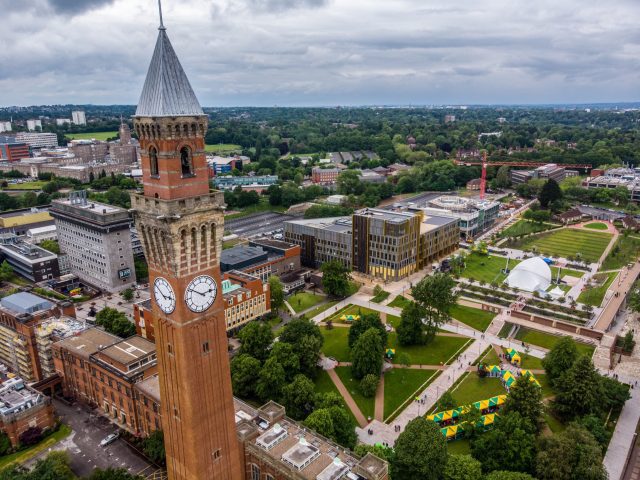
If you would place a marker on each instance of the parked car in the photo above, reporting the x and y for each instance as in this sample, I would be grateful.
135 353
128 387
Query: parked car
109 439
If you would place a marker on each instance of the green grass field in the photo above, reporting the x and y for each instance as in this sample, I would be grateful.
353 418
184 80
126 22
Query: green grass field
352 310
223 148
321 308
381 297
474 388
399 302
566 243
523 227
336 344
102 136
546 340
459 447
531 363
393 320
261 207
324 384
595 295
596 226
486 268
490 358
24 455
366 405
626 250
441 349
400 384
25 186
475 318
304 300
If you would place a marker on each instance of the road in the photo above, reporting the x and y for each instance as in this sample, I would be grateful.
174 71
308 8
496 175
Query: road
256 225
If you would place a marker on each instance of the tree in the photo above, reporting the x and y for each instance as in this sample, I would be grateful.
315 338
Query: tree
153 447
411 330
435 294
277 293
472 428
505 475
614 394
256 339
446 402
6 271
30 436
525 397
380 451
271 381
344 427
366 354
321 421
596 426
306 339
287 357
141 268
335 279
420 452
127 294
634 299
364 323
462 467
514 437
580 391
628 342
5 443
549 193
573 454
560 359
115 322
113 474
369 385
55 466
299 397
51 245
245 371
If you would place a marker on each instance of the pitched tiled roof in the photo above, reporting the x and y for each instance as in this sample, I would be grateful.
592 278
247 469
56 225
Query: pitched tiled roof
167 91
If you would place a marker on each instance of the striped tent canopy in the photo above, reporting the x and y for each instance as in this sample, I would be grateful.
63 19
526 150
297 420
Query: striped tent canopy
487 420
529 374
481 405
497 401
350 318
494 369
508 379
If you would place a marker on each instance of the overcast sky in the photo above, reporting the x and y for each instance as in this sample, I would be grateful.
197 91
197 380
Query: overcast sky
325 52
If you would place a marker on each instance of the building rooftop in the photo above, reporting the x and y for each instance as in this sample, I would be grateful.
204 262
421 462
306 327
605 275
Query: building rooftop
25 302
129 351
240 254
167 91
150 387
27 251
386 215
60 328
88 342
16 397
23 212
334 224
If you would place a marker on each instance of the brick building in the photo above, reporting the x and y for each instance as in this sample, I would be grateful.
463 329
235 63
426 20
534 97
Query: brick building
25 319
325 175
101 369
11 150
22 408
263 257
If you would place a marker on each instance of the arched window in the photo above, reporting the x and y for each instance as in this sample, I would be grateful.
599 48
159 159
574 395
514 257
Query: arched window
255 472
186 161
153 159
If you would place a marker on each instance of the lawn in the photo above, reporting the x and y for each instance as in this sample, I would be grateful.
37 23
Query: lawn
459 447
24 455
381 297
321 308
486 268
546 340
505 330
102 136
474 388
566 243
393 320
491 357
531 363
324 384
596 226
336 344
623 252
523 227
303 300
475 318
37 185
261 207
595 295
366 405
352 310
399 302
223 148
400 385
547 391
440 350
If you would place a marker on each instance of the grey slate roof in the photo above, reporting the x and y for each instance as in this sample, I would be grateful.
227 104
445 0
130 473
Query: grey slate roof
167 91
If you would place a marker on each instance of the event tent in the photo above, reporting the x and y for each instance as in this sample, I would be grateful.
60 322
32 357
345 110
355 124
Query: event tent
531 275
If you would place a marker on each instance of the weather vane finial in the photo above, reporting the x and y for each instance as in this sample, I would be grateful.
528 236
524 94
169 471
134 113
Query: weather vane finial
162 27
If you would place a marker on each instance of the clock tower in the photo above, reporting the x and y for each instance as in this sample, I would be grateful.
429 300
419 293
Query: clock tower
181 225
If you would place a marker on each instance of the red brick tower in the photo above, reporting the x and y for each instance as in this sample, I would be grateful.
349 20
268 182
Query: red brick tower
181 225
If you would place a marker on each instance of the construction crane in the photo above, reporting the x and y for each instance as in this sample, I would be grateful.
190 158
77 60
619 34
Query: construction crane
484 163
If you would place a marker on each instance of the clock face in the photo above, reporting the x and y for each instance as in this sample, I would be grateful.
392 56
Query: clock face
164 295
201 293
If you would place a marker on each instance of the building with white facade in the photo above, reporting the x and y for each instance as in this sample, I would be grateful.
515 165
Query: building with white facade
32 125
5 127
78 118
38 140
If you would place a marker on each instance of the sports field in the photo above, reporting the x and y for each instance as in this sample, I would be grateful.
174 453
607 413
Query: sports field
626 250
522 227
102 136
566 243
223 148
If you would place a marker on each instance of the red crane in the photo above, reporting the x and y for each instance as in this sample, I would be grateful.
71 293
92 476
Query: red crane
484 163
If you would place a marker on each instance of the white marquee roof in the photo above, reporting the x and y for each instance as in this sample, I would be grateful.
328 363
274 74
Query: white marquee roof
531 275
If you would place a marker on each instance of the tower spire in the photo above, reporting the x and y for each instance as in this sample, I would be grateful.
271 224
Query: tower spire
162 27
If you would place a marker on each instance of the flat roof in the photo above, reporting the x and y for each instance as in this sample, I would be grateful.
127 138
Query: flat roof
88 342
273 243
241 253
386 215
150 387
130 350
25 302
28 252
94 207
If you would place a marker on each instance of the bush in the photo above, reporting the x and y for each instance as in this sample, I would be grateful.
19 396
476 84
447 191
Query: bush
369 385
30 436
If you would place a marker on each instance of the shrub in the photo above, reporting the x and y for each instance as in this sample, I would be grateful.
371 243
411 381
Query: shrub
369 385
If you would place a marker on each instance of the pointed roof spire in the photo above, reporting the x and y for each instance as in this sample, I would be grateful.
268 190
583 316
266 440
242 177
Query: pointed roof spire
167 91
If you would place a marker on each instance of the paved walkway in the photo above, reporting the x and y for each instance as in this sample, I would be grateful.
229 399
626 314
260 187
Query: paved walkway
622 285
379 406
351 403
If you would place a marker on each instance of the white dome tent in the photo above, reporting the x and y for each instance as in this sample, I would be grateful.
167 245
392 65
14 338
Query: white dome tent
532 275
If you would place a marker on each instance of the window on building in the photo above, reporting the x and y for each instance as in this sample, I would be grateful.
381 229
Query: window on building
255 472
186 161
153 159
205 347
217 454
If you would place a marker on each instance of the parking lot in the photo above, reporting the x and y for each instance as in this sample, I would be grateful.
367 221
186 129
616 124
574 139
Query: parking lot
83 445
256 225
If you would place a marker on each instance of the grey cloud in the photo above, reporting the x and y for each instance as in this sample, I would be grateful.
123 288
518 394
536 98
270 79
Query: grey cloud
76 7
282 5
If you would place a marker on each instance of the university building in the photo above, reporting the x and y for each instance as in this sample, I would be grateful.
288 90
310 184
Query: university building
97 241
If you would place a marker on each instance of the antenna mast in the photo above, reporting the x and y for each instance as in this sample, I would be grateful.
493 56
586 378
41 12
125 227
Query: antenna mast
162 27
